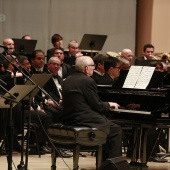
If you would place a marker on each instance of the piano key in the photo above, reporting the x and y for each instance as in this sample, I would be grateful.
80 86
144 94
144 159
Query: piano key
131 111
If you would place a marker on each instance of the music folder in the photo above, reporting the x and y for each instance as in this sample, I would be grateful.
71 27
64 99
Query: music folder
138 77
92 42
19 91
24 46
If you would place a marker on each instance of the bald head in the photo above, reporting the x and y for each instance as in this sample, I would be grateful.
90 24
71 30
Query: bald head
127 54
8 42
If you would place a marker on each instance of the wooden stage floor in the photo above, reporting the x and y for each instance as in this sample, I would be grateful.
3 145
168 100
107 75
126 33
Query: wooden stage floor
85 163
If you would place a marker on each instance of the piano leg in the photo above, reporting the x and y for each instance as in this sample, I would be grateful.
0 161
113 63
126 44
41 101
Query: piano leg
142 151
144 140
139 146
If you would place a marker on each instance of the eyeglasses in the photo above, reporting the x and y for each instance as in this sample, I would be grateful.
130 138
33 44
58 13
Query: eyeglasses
93 65
74 47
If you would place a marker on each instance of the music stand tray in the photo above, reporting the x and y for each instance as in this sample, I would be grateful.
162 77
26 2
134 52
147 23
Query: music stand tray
20 91
24 46
40 80
92 42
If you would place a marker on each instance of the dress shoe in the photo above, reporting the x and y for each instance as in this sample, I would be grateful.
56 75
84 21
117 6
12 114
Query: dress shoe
32 151
64 154
157 159
82 155
45 149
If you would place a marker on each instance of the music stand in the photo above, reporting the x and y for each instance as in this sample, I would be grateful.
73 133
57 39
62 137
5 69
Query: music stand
6 101
19 91
24 46
92 42
40 80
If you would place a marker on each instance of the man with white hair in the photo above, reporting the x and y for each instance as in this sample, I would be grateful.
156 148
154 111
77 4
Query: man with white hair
127 54
82 106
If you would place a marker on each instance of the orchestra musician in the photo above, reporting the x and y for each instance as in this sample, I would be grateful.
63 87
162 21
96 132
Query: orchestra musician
148 51
112 66
99 67
57 41
65 69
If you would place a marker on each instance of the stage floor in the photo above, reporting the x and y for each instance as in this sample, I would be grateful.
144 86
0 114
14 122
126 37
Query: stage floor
85 163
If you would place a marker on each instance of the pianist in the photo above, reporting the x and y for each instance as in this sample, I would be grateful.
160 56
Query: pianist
82 106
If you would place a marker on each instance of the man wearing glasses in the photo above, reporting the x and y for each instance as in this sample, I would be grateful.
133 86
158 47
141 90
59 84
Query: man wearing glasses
82 106
112 70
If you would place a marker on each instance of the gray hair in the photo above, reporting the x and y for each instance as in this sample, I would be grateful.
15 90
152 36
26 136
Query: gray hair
72 42
82 62
53 59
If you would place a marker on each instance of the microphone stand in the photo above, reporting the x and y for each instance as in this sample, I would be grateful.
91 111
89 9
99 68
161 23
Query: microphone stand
9 100
21 166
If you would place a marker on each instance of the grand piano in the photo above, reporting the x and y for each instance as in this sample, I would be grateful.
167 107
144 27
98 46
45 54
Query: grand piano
153 113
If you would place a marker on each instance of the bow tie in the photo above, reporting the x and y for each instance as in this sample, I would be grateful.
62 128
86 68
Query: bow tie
55 76
38 72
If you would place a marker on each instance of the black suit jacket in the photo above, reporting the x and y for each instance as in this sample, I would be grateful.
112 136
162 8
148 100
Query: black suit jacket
6 77
106 80
65 70
52 90
81 103
33 71
137 60
49 53
97 77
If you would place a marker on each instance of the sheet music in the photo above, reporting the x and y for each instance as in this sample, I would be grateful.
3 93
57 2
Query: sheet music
138 77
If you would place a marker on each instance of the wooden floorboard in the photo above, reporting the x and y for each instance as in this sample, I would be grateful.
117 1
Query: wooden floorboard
44 163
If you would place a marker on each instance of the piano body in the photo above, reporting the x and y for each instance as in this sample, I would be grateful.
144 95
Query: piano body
154 112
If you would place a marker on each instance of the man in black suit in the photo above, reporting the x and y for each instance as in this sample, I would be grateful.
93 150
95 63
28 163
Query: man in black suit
112 66
57 41
99 67
65 69
82 106
38 62
148 51
72 53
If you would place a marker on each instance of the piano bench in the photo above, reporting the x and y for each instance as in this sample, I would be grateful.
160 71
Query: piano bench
76 139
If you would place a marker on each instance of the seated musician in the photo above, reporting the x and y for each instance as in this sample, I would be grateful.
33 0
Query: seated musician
99 67
82 106
112 71
148 54
45 119
65 69
57 41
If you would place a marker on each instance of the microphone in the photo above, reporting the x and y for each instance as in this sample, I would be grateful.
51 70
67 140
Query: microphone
4 47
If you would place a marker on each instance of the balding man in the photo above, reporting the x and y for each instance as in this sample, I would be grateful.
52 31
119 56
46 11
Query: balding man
8 42
127 54
82 106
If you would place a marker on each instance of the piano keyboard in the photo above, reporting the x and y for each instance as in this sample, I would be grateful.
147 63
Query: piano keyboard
130 111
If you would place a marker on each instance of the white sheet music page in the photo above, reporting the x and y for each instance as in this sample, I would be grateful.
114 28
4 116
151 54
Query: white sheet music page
145 77
132 76
138 77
